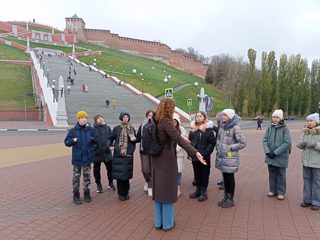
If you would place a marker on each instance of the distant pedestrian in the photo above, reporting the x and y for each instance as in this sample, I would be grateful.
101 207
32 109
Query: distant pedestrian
84 88
107 103
276 143
259 122
114 103
309 142
82 139
74 71
122 141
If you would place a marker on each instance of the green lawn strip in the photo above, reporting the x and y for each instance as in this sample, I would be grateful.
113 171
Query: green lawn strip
12 53
40 29
121 64
41 45
15 87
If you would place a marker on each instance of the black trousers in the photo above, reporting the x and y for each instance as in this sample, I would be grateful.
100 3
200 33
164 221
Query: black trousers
123 187
229 183
201 173
97 170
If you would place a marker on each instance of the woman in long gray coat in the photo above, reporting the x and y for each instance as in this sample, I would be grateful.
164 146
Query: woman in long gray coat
164 166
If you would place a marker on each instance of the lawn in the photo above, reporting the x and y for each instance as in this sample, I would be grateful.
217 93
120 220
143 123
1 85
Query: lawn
40 29
15 87
11 53
40 45
153 72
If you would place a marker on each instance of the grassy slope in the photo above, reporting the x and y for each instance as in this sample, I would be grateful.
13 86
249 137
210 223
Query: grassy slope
40 29
11 53
15 86
116 62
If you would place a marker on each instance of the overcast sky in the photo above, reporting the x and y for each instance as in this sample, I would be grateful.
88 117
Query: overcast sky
209 26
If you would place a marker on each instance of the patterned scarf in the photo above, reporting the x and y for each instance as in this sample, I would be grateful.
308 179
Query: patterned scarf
126 130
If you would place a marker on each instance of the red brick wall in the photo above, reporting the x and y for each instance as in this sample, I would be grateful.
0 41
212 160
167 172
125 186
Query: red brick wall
149 48
19 115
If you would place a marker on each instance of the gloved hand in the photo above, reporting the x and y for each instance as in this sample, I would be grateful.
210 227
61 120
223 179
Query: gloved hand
271 155
310 145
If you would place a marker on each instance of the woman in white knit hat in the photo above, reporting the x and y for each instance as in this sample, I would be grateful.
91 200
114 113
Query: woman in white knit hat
276 144
229 141
309 142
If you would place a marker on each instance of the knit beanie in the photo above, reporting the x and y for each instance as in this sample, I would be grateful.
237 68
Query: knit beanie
122 115
229 112
81 114
278 113
314 117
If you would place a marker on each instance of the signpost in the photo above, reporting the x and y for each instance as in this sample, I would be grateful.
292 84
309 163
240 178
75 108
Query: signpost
168 92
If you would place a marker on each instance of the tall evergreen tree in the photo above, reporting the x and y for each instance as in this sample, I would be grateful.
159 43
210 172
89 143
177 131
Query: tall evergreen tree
283 90
252 96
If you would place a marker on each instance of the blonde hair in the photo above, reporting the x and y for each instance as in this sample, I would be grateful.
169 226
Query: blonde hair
196 125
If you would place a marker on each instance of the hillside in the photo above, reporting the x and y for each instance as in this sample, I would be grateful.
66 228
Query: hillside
150 75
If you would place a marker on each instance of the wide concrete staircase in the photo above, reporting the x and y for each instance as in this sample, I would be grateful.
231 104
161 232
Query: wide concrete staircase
99 89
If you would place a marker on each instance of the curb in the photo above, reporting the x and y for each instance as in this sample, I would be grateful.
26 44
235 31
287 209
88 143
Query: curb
33 130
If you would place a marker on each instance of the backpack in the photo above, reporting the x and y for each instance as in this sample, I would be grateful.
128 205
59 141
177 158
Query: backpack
150 143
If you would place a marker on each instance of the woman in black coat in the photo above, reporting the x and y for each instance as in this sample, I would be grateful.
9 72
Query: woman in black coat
202 137
122 141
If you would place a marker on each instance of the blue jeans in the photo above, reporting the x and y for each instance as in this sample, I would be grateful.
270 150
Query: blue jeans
311 186
163 215
277 180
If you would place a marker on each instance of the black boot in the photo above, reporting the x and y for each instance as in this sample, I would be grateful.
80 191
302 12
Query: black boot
76 198
87 197
229 202
223 200
196 193
203 195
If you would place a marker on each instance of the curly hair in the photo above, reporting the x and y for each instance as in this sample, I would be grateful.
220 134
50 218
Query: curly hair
165 109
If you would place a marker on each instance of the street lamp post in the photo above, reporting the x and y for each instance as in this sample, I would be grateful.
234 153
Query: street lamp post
142 84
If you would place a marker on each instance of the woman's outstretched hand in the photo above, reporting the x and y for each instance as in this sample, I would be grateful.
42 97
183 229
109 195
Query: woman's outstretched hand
200 158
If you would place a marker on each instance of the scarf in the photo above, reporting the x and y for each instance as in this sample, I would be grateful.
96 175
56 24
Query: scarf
126 130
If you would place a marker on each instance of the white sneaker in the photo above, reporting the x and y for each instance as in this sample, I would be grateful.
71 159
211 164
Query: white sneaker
179 192
271 194
145 187
281 197
149 192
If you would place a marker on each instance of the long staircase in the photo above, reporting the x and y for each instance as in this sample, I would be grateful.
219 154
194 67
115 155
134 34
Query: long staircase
99 89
